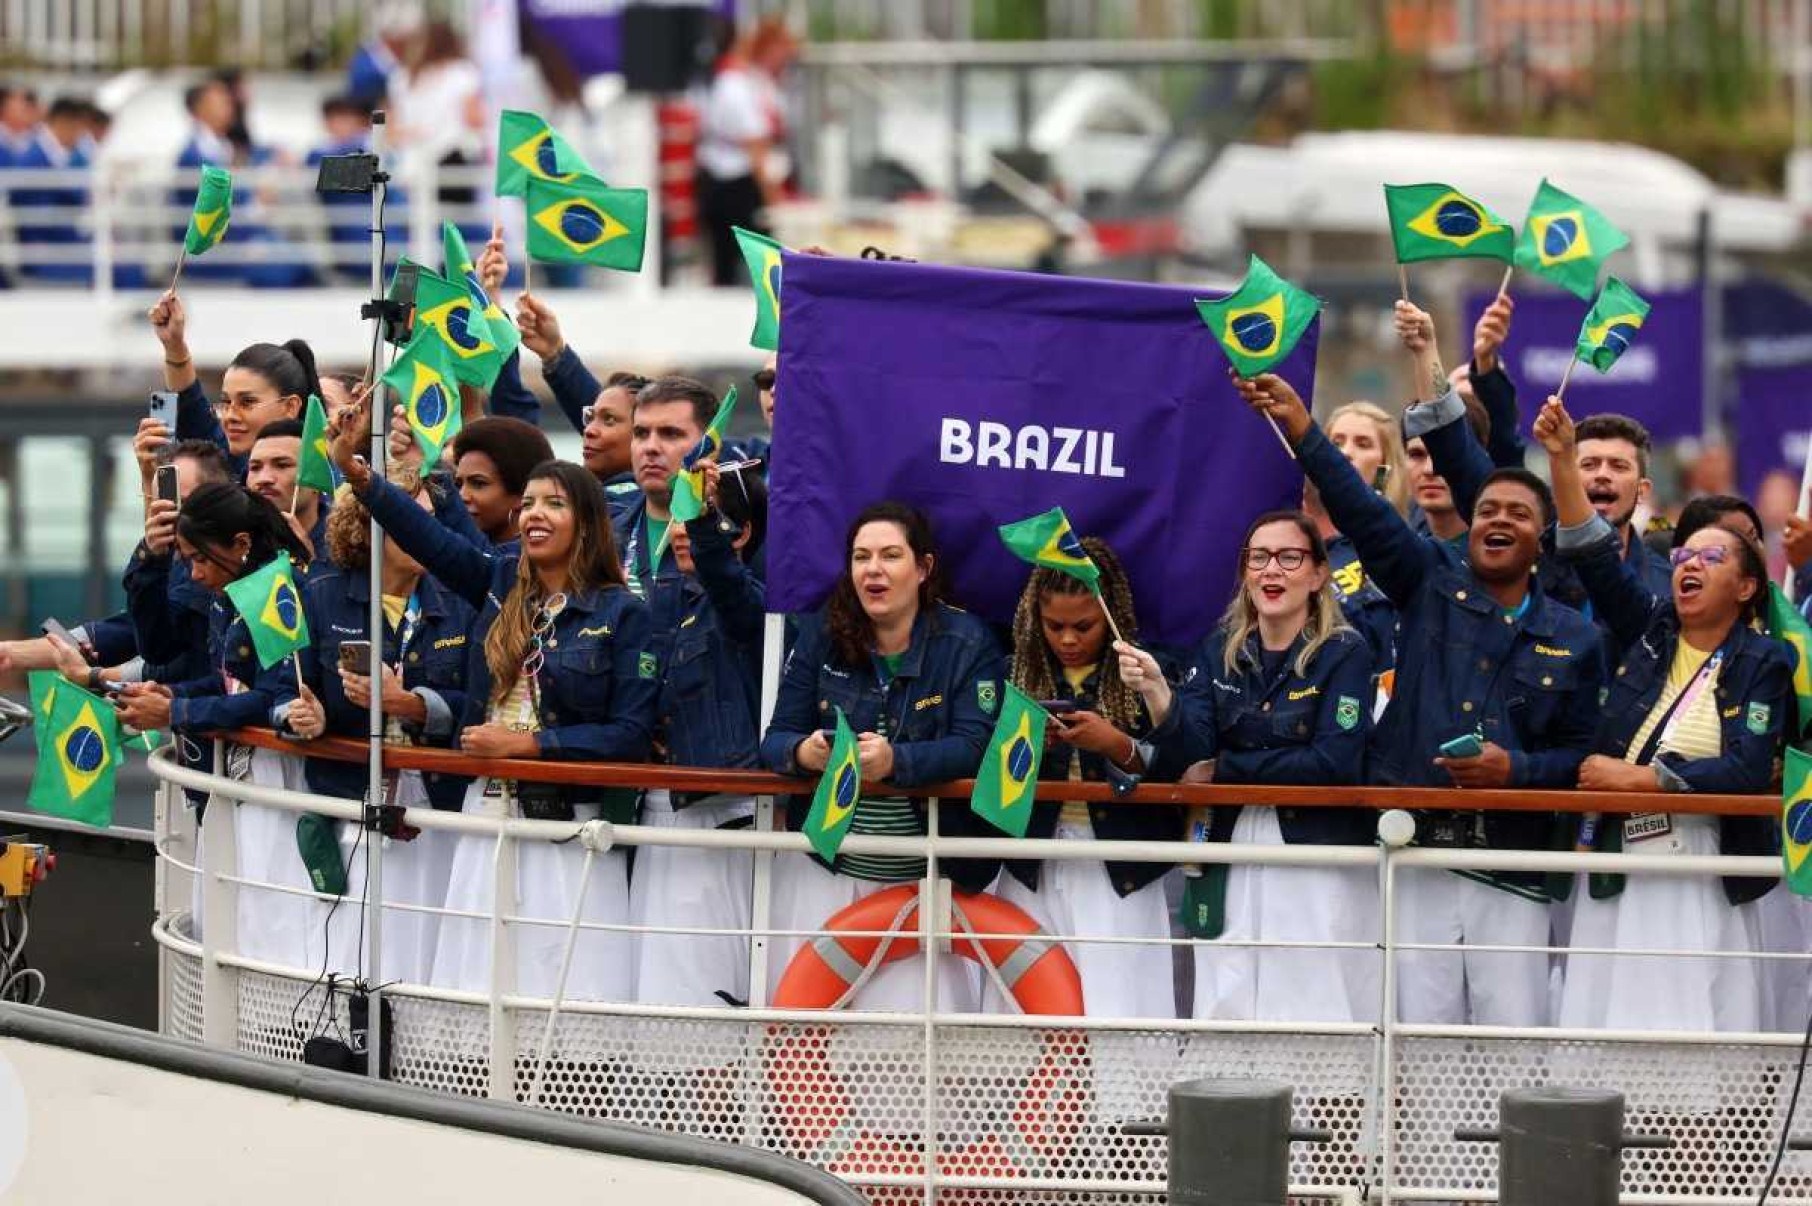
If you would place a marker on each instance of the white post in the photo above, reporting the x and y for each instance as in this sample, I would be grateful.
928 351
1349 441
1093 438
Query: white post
220 925
374 714
773 641
929 924
1384 1107
503 969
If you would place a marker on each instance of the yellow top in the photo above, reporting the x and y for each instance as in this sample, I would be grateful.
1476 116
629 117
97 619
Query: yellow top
1694 731
1075 812
394 607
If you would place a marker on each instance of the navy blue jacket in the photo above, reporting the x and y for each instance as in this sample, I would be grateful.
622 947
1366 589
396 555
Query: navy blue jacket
710 708
1110 822
433 665
1365 606
662 587
937 710
1754 693
1529 684
1305 728
173 637
600 683
1497 394
210 703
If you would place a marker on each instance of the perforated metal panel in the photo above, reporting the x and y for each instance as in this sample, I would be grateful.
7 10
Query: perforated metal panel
183 1010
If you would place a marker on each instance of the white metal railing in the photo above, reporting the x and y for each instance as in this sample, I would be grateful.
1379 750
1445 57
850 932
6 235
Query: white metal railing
945 1084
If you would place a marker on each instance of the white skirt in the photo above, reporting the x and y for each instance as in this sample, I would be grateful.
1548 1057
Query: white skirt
683 886
415 872
1077 899
548 887
277 927
805 895
1782 921
1664 912
1291 904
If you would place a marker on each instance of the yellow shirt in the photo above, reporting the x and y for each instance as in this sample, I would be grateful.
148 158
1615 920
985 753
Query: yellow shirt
1075 812
1694 730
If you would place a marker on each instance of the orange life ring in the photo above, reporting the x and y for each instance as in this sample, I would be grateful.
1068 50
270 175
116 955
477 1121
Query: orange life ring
1043 1123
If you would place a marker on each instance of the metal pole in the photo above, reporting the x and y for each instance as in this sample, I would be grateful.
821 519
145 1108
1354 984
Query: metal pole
374 782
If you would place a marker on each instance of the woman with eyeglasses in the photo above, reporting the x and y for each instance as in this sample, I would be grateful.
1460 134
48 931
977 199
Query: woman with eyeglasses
1698 704
1280 692
561 671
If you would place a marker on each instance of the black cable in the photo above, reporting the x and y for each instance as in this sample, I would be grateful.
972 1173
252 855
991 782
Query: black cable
1780 1148
326 957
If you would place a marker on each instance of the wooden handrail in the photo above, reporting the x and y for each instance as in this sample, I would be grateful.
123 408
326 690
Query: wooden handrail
762 783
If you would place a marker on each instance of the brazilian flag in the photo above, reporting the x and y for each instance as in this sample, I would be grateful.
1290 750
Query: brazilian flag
1796 821
78 751
1048 540
839 791
585 222
213 211
1611 325
316 471
529 149
1567 241
689 484
1008 778
457 265
446 308
1436 222
271 606
1259 323
425 380
1785 624
762 255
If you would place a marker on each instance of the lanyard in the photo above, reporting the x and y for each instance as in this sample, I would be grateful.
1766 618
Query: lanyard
1707 674
412 614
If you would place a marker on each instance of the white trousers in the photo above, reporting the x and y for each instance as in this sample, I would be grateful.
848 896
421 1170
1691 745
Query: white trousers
278 927
1782 922
415 872
1484 988
677 886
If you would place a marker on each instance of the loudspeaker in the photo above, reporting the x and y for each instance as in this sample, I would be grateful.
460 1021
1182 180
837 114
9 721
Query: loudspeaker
665 46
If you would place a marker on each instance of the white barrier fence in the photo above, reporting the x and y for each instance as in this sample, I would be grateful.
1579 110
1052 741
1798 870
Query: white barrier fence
931 1106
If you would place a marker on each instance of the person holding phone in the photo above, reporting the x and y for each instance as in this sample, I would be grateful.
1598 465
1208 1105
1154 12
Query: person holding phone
919 683
1097 732
563 671
1278 693
426 639
1699 703
1492 655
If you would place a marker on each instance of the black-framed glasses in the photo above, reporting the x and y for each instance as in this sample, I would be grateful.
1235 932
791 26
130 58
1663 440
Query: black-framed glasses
764 379
1711 554
1287 559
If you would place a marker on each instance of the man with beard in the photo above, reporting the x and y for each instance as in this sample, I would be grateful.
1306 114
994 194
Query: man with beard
271 469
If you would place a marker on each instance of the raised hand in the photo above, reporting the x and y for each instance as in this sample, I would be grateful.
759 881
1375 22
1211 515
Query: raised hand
1554 430
539 326
1269 394
1491 332
492 265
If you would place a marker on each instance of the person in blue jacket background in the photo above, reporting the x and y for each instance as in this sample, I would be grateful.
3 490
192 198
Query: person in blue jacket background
919 682
1700 703
1280 692
1504 678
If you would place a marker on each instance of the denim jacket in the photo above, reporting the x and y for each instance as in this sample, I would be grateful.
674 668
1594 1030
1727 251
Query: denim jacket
168 615
710 705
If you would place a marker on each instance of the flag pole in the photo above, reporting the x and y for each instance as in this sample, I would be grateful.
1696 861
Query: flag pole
1111 626
1403 281
182 257
1281 438
1565 377
528 267
1503 286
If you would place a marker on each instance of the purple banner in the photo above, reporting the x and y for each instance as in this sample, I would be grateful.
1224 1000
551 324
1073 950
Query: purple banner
1770 332
1659 381
985 397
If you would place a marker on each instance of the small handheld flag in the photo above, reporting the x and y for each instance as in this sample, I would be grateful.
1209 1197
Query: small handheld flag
583 222
1785 624
839 791
78 738
1008 778
1435 222
762 255
529 149
1611 325
209 219
1260 322
457 265
1796 821
423 378
1048 540
446 308
271 606
316 470
688 501
1566 241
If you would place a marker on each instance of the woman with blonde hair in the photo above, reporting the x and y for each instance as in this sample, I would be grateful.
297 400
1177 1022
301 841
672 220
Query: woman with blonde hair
1278 693
1373 442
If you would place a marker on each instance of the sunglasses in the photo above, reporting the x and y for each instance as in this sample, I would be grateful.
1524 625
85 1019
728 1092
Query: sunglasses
544 628
1711 554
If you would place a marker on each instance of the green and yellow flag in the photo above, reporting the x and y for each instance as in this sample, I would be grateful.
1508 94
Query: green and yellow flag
1008 778
584 222
1796 821
1048 540
78 737
428 389
457 265
689 484
1788 626
762 255
839 791
447 309
316 470
1436 222
1566 241
271 606
1611 325
212 213
529 149
1259 324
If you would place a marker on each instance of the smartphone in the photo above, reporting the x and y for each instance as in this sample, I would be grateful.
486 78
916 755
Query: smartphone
163 408
1465 746
167 489
54 627
110 688
355 656
1059 707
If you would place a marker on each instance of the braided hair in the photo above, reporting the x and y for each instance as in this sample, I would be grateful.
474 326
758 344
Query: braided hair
1035 669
